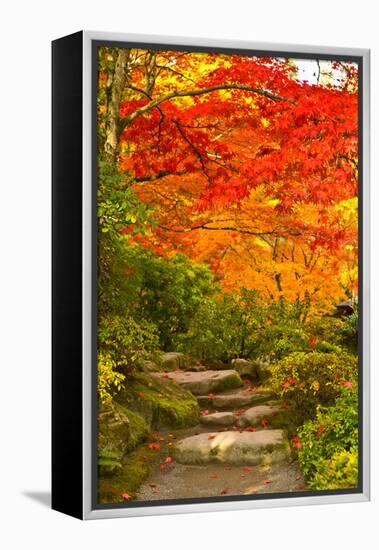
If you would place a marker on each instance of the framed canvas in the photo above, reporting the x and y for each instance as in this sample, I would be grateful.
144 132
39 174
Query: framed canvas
210 275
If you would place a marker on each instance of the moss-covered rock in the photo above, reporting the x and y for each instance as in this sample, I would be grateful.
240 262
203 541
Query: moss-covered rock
174 360
133 471
160 402
120 430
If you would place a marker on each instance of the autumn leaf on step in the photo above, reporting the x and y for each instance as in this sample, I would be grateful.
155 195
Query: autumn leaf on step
126 496
168 459
172 436
212 395
213 475
224 491
242 475
211 436
162 466
154 446
247 468
251 429
152 485
264 422
267 481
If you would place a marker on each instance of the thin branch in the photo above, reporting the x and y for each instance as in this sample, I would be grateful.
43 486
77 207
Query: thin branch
195 150
159 175
197 92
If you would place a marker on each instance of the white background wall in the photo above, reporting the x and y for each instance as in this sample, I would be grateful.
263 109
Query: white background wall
26 30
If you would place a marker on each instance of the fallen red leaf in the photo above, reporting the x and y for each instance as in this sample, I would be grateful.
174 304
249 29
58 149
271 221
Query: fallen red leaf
126 496
168 459
213 475
264 422
267 481
224 491
152 485
162 466
211 436
251 429
242 475
247 468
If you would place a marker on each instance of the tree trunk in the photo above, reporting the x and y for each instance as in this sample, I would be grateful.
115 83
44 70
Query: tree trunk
117 85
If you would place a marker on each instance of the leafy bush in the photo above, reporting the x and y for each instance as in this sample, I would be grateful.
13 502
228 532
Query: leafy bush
123 345
340 472
347 330
309 379
224 327
328 452
109 381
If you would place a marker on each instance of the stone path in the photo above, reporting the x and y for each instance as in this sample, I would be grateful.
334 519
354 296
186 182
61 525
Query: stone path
234 441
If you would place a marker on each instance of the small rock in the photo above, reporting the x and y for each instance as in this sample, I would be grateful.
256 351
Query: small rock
244 367
219 419
254 415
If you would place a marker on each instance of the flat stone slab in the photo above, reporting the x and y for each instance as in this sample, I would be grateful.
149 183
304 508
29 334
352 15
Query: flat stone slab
204 382
234 448
254 415
219 419
233 399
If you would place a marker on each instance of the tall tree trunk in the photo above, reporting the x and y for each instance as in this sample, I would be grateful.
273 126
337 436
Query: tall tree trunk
116 84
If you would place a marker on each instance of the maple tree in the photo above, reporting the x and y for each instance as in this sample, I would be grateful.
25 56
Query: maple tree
244 166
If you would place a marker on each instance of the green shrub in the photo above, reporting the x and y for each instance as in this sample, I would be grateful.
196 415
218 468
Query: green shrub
328 453
347 331
123 345
109 381
309 379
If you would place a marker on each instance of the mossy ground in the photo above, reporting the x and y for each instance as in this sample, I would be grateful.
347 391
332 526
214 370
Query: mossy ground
133 472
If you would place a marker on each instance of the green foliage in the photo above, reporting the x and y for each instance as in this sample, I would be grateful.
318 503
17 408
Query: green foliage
244 325
166 292
309 379
123 345
329 444
109 381
340 472
223 327
347 330
109 462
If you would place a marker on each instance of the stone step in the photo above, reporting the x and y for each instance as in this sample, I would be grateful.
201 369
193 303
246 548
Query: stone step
243 418
219 419
204 382
254 415
234 448
233 399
